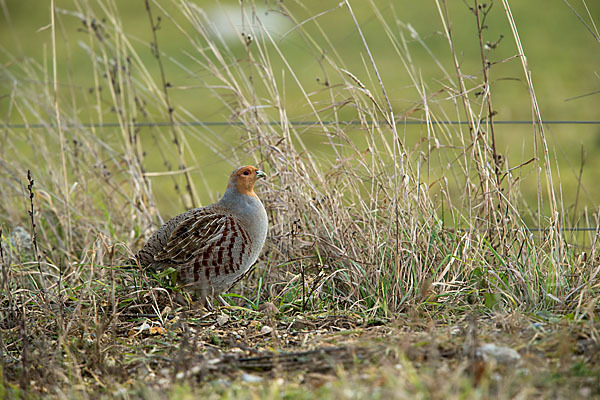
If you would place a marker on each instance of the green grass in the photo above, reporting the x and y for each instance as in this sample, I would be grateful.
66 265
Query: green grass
394 250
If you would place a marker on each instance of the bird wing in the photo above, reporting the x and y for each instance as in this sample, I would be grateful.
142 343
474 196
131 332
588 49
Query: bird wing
193 236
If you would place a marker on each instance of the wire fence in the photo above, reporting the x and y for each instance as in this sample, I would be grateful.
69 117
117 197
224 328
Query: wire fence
312 123
563 229
278 123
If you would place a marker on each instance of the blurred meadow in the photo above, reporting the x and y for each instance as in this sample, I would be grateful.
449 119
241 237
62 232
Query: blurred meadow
432 197
415 64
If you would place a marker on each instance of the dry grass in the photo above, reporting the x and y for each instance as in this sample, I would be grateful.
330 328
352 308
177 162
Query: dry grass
417 238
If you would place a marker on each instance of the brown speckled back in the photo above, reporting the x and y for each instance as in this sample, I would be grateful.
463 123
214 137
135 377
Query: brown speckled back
213 246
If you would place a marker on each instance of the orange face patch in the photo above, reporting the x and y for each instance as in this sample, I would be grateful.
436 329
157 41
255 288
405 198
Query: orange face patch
244 178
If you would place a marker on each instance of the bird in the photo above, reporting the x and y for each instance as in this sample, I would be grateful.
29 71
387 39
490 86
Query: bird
212 247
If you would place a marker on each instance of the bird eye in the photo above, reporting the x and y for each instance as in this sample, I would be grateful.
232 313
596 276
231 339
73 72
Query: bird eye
246 173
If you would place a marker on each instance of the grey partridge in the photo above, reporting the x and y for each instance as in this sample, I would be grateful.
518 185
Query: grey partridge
212 247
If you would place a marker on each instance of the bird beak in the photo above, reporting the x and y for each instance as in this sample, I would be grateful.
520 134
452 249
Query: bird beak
260 174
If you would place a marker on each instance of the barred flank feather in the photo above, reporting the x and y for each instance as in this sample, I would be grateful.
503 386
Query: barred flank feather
214 246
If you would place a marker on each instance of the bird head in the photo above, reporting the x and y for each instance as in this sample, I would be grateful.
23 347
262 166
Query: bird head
244 178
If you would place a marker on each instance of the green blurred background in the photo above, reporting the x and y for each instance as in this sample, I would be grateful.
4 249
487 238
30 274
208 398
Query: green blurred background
563 55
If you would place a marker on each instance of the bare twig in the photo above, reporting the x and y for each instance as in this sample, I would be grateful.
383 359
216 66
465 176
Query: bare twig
177 140
36 253
486 81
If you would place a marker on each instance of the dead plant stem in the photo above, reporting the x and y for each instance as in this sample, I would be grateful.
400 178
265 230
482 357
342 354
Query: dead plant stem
177 139
62 144
487 90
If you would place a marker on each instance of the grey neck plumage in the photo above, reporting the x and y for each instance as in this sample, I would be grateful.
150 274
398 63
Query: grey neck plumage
241 203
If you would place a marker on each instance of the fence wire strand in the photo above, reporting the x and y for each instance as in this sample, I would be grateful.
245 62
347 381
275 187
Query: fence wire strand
277 123
309 123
